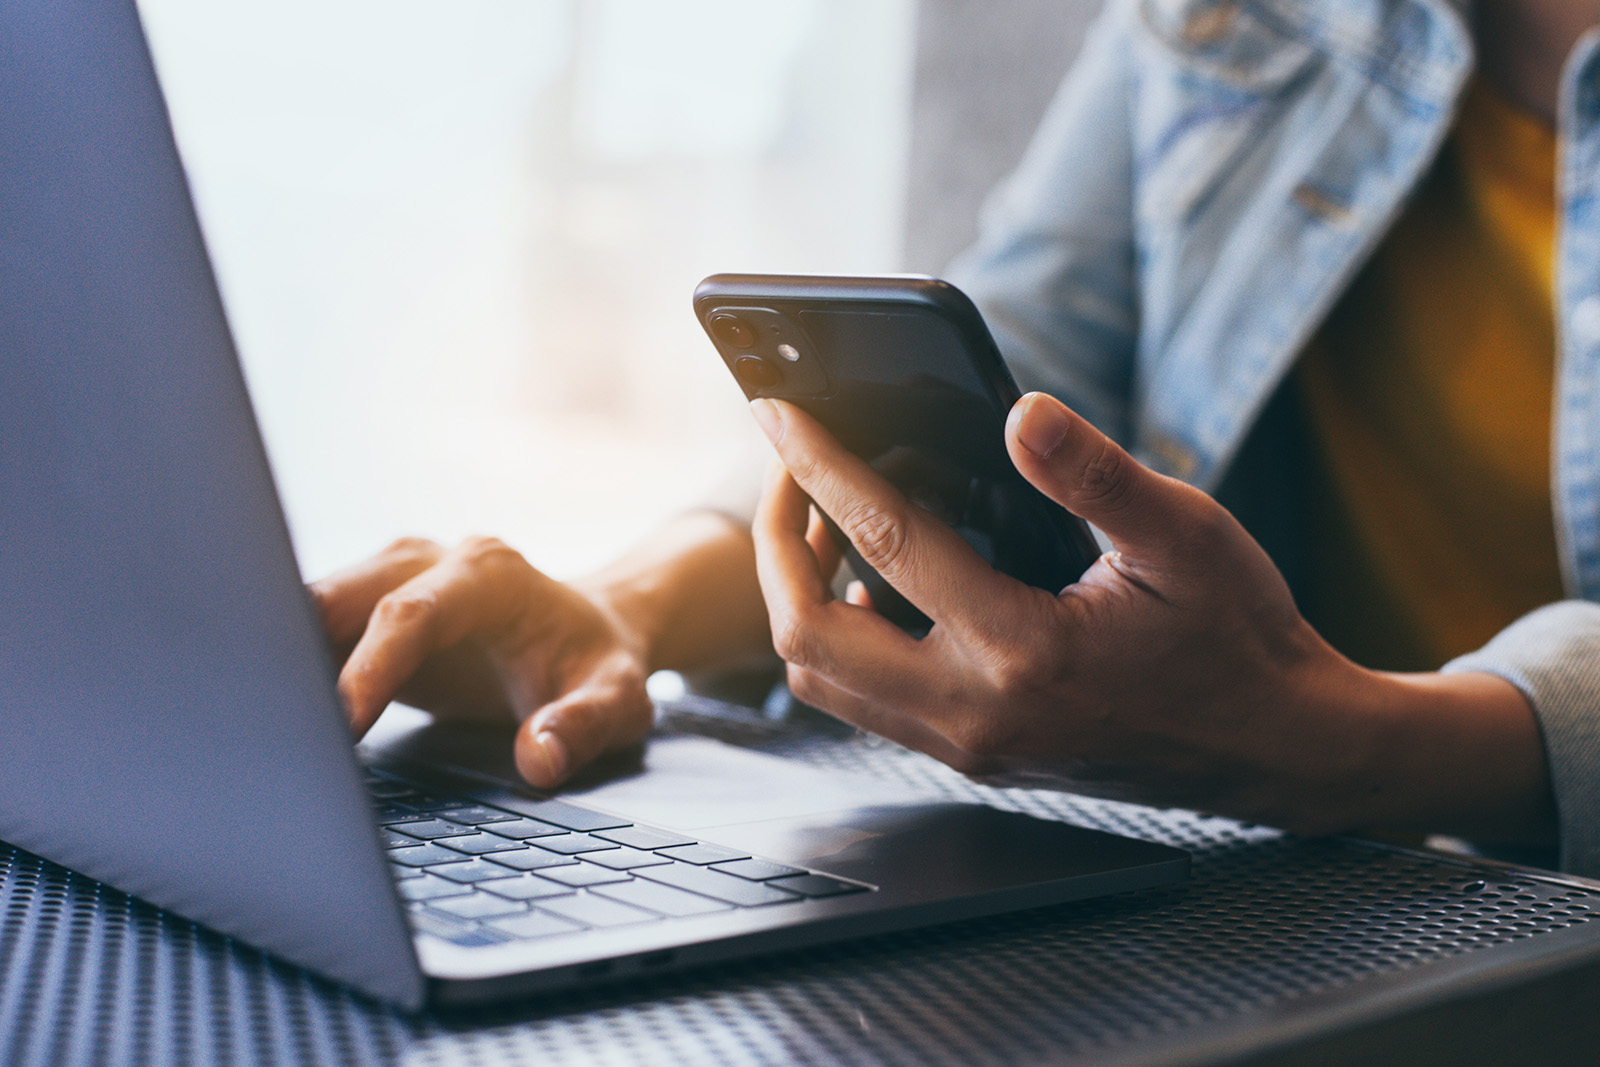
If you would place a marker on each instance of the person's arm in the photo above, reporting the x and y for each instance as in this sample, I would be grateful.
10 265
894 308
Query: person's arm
689 594
1176 671
475 631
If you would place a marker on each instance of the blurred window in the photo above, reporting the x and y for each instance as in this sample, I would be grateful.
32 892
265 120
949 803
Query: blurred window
457 240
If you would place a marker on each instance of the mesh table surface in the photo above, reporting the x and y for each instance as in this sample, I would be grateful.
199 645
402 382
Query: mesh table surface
91 976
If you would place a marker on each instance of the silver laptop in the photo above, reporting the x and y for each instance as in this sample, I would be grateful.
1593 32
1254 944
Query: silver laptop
171 722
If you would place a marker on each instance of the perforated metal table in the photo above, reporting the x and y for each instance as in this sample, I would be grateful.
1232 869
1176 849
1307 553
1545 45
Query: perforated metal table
1277 949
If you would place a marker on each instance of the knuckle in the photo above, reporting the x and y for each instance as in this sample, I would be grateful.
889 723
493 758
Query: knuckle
791 638
1106 479
406 609
1015 671
412 548
483 547
804 468
879 534
482 553
1015 678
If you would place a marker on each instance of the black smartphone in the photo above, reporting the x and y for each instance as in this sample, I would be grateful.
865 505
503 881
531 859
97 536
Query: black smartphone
903 372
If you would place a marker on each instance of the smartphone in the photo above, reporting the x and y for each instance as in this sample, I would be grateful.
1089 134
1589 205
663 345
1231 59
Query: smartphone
903 372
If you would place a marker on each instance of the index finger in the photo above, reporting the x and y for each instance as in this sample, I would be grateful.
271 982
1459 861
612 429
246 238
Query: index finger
479 588
811 629
844 658
345 598
920 556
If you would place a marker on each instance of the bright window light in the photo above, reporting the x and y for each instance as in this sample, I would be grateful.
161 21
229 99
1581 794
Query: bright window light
457 240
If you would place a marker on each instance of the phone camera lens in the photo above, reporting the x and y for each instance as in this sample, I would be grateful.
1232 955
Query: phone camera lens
732 330
755 372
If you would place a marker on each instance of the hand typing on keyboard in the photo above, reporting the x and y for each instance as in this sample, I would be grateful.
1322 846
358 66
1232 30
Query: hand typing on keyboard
476 632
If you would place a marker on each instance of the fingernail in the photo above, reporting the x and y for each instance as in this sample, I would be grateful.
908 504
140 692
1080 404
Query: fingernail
1042 427
767 417
555 754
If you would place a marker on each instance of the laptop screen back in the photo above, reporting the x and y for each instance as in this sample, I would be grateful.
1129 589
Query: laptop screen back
171 723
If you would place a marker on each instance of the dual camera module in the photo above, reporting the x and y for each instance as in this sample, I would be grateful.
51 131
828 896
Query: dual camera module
764 350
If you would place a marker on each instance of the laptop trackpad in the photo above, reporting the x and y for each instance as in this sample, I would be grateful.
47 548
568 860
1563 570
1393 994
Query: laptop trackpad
942 846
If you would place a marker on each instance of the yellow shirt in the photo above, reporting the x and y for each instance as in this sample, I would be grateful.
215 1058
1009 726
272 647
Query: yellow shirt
1427 402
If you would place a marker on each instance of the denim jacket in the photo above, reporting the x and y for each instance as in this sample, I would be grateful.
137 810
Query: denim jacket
1209 179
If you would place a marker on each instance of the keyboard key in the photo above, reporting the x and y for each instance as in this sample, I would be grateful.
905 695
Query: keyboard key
393 814
625 859
522 829
583 874
478 906
431 829
427 887
530 859
391 839
387 788
474 814
716 884
534 924
595 911
701 855
817 885
756 870
478 844
475 870
423 801
571 844
423 856
641 837
660 898
525 888
454 930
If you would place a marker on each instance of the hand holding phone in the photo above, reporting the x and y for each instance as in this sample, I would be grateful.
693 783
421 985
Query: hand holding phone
903 372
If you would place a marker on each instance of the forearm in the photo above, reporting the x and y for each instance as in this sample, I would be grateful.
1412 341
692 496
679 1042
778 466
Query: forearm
688 596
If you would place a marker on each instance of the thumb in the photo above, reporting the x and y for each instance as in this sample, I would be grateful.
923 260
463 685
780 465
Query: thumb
591 721
1090 475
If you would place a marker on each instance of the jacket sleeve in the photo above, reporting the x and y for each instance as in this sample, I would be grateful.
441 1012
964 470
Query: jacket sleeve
1553 656
1053 269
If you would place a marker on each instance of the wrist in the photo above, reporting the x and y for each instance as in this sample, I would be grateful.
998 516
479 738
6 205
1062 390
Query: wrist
629 618
686 599
1457 754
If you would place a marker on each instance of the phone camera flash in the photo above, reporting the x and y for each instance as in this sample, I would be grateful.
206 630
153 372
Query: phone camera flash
789 352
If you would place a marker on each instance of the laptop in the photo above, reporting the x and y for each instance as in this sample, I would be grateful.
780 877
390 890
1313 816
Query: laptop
169 704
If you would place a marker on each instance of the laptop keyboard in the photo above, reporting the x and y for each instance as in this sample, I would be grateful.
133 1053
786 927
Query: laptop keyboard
479 873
